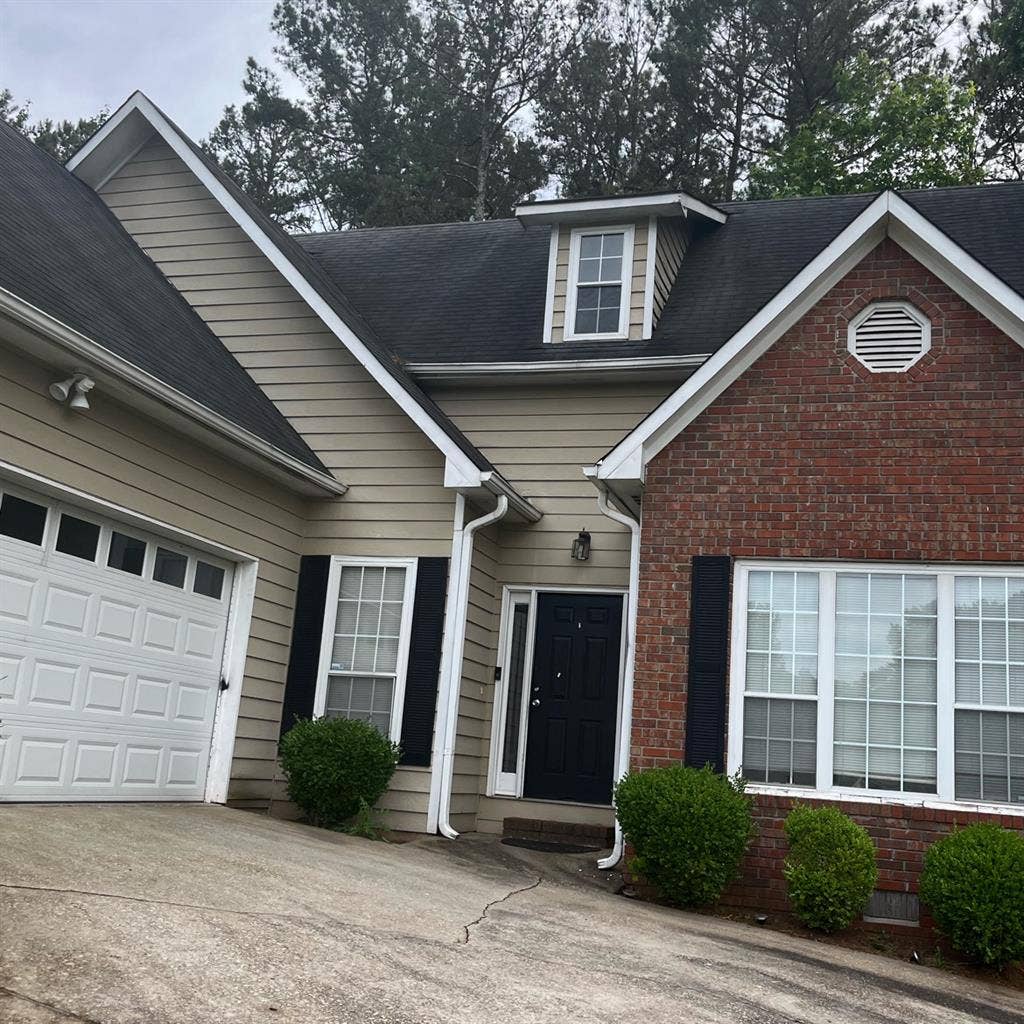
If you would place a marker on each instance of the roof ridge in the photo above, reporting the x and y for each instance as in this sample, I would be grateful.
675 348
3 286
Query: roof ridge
405 227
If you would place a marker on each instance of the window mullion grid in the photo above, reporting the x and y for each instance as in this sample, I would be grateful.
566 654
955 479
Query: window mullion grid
945 686
826 678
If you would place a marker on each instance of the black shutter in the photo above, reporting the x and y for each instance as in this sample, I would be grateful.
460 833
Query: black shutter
709 648
307 632
421 676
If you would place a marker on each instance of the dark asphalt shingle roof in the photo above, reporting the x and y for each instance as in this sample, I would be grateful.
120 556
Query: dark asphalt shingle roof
334 292
475 292
64 252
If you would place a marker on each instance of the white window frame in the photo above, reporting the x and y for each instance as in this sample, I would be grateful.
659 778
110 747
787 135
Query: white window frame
338 562
510 784
626 282
946 704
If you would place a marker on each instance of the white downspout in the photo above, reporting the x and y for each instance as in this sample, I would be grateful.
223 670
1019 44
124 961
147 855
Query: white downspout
626 714
451 665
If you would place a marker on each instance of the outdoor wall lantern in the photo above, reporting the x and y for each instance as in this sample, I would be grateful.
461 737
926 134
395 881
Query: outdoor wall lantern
581 547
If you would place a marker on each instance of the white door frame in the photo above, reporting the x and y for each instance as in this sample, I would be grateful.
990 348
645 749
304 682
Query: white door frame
236 638
507 784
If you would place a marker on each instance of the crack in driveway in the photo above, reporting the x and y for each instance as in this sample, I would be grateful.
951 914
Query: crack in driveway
494 903
66 1014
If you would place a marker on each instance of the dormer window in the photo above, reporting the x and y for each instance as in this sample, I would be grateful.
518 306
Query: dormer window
600 272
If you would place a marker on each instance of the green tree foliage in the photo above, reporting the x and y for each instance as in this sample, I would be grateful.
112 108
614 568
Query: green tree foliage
609 120
61 139
263 145
993 62
880 132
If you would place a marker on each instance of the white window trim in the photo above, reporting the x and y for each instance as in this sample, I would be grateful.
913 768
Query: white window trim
626 282
509 784
913 312
338 562
944 798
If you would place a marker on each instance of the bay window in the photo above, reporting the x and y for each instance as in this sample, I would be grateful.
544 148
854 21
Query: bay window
899 682
365 646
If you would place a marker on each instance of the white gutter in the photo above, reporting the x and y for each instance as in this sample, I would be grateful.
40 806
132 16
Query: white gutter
554 367
453 646
626 697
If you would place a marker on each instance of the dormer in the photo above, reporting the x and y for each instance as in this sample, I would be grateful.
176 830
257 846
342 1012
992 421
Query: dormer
612 261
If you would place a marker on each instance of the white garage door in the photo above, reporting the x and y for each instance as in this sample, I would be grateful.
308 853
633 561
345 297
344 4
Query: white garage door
111 643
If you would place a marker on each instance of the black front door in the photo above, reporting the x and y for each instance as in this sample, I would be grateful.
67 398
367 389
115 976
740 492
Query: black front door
570 743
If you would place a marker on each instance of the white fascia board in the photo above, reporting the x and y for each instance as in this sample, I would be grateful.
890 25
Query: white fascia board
627 459
888 215
955 267
666 204
99 359
138 102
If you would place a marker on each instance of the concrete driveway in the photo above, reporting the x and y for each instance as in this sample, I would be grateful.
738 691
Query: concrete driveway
188 913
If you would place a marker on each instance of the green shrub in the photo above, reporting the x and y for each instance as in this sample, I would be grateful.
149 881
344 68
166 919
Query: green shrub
334 766
973 884
830 869
689 828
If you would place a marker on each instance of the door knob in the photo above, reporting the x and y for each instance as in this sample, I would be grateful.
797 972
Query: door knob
535 703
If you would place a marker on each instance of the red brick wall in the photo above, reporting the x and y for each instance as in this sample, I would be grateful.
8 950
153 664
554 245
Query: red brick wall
901 835
809 455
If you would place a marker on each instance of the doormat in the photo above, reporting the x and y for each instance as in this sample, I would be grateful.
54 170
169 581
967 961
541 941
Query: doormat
543 846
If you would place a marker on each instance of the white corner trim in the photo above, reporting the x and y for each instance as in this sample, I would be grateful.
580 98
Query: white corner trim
102 358
652 259
286 268
625 281
236 645
549 295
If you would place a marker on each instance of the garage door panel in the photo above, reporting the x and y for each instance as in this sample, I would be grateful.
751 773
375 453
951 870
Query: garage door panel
108 680
45 763
77 685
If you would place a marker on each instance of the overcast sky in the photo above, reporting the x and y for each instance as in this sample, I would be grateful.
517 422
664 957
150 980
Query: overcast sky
73 57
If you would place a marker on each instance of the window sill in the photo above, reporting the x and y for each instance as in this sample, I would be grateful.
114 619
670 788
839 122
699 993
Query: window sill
617 336
874 799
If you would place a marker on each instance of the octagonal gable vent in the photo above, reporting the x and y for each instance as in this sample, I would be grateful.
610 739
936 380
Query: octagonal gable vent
889 337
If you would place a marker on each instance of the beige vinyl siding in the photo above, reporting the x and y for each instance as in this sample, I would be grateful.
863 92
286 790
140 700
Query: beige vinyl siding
670 249
117 455
541 437
396 504
637 283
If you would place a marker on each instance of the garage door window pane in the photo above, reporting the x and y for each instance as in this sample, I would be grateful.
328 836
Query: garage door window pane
22 520
209 580
169 567
78 537
126 553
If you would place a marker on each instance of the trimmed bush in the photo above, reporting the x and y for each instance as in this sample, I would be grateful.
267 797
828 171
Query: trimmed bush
830 869
689 828
973 884
335 766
